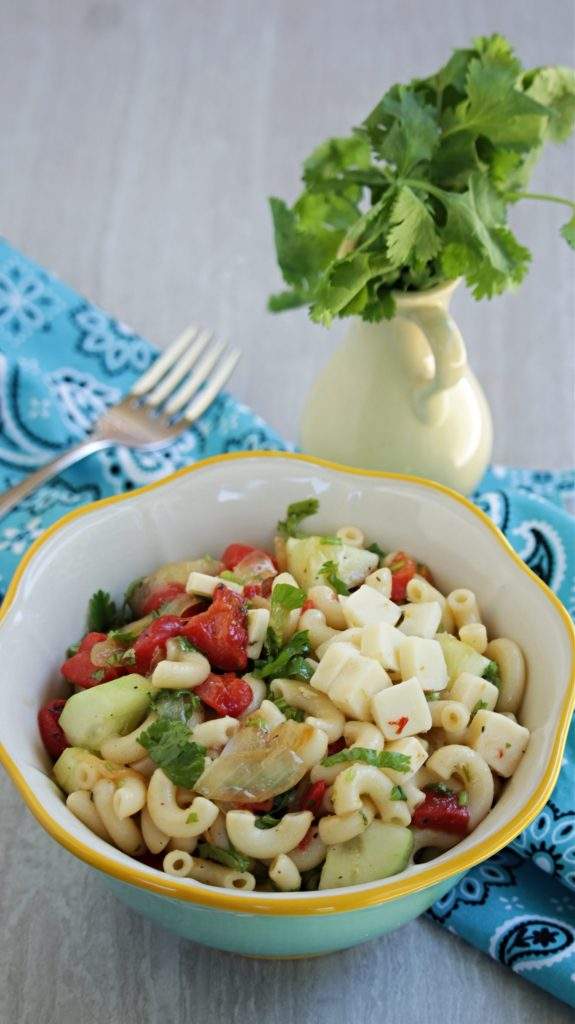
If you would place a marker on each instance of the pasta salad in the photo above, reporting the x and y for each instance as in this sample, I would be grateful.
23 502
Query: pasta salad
316 718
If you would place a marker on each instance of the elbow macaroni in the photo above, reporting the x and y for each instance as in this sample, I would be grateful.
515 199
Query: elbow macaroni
376 678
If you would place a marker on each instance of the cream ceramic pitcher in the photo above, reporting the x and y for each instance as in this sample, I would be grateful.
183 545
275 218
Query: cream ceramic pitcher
399 395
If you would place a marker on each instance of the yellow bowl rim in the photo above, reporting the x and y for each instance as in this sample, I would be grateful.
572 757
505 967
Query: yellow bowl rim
314 902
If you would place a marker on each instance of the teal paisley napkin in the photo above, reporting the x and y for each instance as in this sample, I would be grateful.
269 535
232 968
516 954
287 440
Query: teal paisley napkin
63 360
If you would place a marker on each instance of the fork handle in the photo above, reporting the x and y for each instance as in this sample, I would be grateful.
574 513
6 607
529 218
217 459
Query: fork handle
16 494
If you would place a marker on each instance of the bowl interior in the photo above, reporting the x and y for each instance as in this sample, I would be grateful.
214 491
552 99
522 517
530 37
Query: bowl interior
241 500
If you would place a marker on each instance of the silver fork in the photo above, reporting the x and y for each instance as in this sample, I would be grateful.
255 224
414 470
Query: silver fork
162 403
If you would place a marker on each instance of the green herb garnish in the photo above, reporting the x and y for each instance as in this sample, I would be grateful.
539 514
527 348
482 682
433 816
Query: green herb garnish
296 513
192 818
231 576
284 599
168 744
286 709
440 788
492 674
329 573
480 706
73 649
266 821
376 550
176 705
102 612
123 637
463 798
377 758
397 794
230 858
335 542
433 695
287 662
184 644
419 193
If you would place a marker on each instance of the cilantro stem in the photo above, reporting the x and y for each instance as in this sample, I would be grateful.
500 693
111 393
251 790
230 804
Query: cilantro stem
425 186
512 196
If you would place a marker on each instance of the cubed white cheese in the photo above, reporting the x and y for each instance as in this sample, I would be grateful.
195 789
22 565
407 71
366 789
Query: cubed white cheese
367 606
382 642
401 710
500 741
381 581
416 753
344 636
332 665
258 621
352 691
424 659
471 690
421 619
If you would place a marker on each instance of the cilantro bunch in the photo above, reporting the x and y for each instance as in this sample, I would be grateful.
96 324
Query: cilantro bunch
419 193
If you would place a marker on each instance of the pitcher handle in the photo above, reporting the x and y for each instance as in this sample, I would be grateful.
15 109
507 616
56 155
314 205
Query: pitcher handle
448 349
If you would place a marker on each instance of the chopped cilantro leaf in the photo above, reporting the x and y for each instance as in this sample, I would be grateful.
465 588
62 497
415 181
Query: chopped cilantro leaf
102 612
286 709
376 550
168 744
192 818
433 695
296 513
184 644
266 821
284 599
123 636
288 661
329 573
440 788
176 705
231 576
230 858
481 705
73 649
492 674
377 758
397 794
333 541
463 798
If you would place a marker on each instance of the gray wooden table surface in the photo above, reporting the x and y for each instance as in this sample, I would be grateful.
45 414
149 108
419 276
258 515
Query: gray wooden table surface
139 141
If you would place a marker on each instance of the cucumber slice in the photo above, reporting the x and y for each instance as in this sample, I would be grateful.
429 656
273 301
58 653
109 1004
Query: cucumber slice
380 851
68 768
111 709
460 657
305 558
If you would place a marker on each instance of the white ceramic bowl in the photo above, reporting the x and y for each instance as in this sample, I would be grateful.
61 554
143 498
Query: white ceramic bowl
240 497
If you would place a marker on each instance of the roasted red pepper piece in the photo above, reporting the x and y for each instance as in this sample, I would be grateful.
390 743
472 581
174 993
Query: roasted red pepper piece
234 554
403 569
221 631
226 694
51 731
161 595
151 644
80 670
307 605
441 811
312 798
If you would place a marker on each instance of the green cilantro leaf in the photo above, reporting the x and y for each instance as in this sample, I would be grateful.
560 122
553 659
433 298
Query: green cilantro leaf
168 744
492 673
176 705
285 598
440 788
102 612
266 821
296 513
463 798
329 573
229 858
481 705
288 661
403 202
376 550
377 758
397 793
73 649
286 709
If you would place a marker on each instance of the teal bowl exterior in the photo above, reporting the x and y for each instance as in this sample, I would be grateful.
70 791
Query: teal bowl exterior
277 936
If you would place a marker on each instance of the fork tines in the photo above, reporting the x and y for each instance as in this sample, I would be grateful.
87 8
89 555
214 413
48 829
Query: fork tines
185 379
